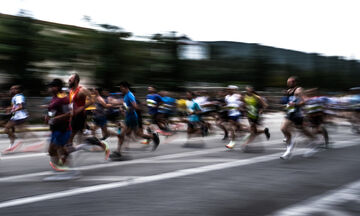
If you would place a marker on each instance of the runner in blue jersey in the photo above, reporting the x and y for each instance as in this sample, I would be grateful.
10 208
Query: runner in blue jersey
131 121
154 101
315 112
166 110
294 116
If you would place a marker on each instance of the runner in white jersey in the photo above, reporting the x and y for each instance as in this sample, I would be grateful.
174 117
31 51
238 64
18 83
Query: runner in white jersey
18 112
233 105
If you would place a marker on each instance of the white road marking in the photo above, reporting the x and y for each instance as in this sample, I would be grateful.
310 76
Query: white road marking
325 204
338 144
198 160
11 178
147 179
139 180
108 178
124 163
24 156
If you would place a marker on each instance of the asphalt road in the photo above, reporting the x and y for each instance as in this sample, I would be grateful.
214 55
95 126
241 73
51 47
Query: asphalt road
196 177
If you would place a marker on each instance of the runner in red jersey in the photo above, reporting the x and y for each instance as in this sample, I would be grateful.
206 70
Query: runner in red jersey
78 104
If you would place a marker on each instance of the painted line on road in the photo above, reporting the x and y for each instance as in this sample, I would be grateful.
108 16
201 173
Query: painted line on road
146 179
24 156
325 204
124 163
139 180
347 143
15 177
108 178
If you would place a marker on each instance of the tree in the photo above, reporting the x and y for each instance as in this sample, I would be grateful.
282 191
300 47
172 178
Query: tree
19 37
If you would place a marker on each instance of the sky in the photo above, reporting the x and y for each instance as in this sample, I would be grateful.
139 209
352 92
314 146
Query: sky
328 27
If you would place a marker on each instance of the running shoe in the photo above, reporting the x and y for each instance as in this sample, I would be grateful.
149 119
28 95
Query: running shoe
267 133
289 149
286 156
58 168
107 150
164 133
12 147
231 145
145 142
156 141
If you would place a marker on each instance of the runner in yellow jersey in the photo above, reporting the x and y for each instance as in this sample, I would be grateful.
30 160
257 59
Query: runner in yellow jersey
254 105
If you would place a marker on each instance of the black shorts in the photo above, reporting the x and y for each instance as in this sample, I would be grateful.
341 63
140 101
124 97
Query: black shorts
224 116
78 122
154 118
113 116
254 120
207 113
316 120
297 120
164 115
89 113
193 125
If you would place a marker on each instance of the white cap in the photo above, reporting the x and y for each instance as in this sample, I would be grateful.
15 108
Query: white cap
234 87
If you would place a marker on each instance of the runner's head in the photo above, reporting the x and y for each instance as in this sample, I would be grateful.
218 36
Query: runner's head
74 80
249 90
105 92
124 87
232 88
292 81
151 89
15 89
98 91
164 93
190 95
55 86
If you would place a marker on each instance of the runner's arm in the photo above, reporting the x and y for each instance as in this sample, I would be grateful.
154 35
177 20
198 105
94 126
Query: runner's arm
18 107
103 103
263 103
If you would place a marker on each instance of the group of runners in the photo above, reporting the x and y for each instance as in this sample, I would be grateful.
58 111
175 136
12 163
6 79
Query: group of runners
74 109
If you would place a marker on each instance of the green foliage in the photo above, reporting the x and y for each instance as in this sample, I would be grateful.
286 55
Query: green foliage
31 49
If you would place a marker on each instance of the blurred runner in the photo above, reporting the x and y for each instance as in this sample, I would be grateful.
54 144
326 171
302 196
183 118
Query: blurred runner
315 113
166 109
89 113
131 121
294 116
153 101
233 104
59 120
100 118
195 125
78 104
254 105
222 116
18 115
